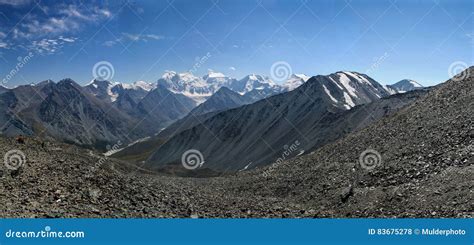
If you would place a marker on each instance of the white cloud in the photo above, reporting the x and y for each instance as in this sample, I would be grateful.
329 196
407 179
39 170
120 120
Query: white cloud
232 68
134 38
110 43
64 19
50 46
142 37
3 45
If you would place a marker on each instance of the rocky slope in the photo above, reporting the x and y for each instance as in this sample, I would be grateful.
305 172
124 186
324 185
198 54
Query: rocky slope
425 165
66 112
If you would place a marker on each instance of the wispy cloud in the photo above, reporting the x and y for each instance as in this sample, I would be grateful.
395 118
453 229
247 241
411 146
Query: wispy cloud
67 19
134 38
232 68
50 46
15 3
45 31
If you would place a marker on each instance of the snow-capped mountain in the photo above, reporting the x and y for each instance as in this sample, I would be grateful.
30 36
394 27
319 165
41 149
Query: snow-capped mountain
253 82
348 89
310 114
102 90
139 85
110 91
405 85
216 80
187 84
201 88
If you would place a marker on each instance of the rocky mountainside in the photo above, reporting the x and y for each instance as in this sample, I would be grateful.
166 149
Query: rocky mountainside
161 107
426 169
421 161
112 91
3 89
65 111
223 99
254 135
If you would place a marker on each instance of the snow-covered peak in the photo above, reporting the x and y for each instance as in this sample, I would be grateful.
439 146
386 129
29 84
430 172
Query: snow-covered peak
196 88
294 81
301 76
102 89
352 88
139 85
169 75
405 86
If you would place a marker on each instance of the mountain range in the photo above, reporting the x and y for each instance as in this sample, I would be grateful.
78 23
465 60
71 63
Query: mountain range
422 153
253 135
103 113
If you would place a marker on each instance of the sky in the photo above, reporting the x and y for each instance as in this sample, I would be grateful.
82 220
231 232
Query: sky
425 40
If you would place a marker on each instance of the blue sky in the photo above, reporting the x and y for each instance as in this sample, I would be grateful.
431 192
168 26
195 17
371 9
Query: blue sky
389 40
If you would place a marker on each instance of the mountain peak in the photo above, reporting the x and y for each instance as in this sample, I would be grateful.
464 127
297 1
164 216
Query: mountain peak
300 76
139 85
405 85
169 74
213 74
225 90
408 82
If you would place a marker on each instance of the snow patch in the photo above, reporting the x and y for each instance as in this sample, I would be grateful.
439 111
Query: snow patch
346 84
329 93
348 100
